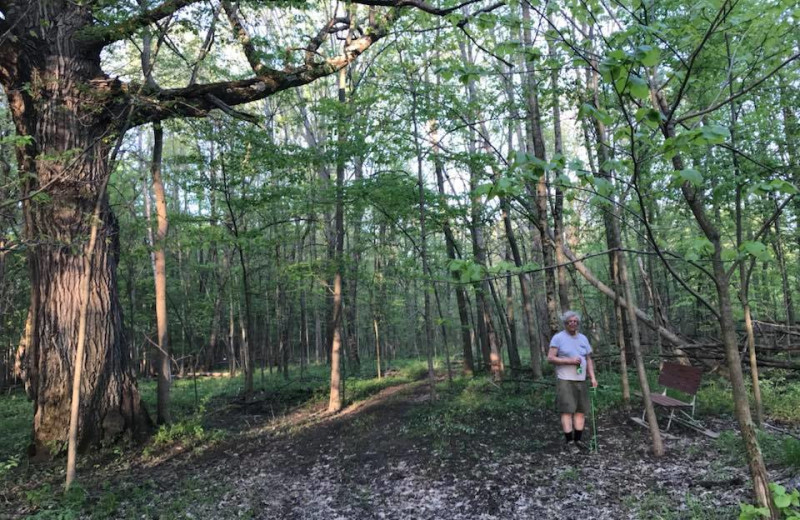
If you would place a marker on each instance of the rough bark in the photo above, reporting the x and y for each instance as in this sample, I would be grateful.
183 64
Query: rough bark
64 112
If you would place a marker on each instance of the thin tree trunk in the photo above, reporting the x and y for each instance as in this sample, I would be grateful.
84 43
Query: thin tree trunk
423 248
335 401
536 144
652 421
247 347
695 202
524 280
744 273
451 247
558 206
160 277
613 236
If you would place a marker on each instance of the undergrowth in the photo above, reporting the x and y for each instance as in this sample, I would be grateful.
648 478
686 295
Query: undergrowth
467 409
16 412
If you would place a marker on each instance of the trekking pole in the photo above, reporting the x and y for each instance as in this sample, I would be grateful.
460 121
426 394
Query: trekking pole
593 444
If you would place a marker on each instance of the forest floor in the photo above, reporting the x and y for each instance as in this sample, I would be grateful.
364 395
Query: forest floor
396 455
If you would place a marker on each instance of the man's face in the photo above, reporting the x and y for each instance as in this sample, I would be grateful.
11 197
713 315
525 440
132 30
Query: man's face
572 325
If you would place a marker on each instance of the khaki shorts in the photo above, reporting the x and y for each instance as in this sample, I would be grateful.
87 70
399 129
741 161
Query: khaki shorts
572 397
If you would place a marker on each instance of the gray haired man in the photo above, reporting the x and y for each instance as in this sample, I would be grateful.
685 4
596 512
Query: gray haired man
570 352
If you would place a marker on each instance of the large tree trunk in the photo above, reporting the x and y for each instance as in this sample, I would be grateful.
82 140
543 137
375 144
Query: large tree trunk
65 161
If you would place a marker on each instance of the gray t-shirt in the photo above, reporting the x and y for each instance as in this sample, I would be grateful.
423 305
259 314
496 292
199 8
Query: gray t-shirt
569 347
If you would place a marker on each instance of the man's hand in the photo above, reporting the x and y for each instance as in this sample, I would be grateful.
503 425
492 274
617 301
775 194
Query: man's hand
594 383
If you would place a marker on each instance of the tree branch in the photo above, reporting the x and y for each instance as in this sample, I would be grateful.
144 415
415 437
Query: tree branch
742 92
102 35
244 39
718 19
194 100
422 6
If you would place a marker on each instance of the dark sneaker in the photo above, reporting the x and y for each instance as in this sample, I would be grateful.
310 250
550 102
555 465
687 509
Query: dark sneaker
582 446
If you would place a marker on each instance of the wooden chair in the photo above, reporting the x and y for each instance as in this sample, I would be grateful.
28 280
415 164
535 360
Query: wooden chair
683 378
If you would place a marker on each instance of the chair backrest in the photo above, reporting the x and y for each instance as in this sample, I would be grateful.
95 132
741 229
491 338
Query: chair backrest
683 378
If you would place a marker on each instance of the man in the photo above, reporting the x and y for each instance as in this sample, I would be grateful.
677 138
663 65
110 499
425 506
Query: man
570 352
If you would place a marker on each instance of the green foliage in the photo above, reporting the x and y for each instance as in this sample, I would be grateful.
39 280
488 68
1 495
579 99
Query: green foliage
468 270
16 413
657 506
50 504
776 448
471 407
188 432
787 503
779 395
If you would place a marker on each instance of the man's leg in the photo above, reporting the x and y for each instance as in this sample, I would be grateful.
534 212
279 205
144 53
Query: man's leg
566 425
579 421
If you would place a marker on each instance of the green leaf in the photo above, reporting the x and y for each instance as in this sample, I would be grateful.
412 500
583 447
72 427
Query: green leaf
533 53
486 21
648 56
639 87
699 247
483 189
729 255
750 512
603 187
692 176
620 83
756 249
714 134
589 110
649 116
617 54
783 186
576 165
783 501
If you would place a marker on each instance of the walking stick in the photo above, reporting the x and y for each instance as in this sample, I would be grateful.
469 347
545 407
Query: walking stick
593 443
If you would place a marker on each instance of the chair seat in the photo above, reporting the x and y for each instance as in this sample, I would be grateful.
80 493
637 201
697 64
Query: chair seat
669 402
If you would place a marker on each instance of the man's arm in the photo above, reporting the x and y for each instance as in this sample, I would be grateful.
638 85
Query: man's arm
590 370
552 357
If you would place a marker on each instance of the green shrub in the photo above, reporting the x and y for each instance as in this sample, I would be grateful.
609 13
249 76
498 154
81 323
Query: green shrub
55 505
16 417
787 503
775 448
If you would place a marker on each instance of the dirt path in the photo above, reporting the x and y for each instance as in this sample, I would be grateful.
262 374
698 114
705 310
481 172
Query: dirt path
364 463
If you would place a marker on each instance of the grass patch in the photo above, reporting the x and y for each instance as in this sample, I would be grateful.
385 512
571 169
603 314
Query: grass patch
777 449
780 395
475 407
125 500
16 413
658 506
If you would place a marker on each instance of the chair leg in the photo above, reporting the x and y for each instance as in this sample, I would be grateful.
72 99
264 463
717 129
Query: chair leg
669 422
